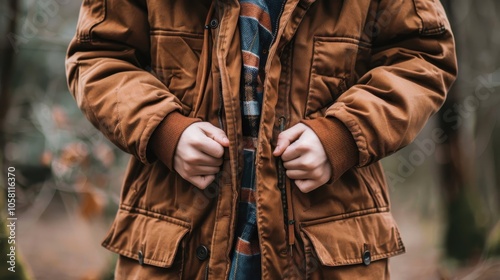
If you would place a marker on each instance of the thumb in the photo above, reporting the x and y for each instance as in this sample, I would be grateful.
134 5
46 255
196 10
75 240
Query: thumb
215 133
287 137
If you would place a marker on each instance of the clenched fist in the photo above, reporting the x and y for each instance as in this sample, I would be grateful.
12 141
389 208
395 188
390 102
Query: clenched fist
303 157
199 153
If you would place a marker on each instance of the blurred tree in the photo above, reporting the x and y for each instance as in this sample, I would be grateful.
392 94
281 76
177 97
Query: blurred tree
466 120
7 52
7 60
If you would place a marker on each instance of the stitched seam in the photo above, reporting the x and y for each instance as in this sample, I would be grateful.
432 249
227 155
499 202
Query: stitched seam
359 213
86 37
167 32
154 214
118 120
360 260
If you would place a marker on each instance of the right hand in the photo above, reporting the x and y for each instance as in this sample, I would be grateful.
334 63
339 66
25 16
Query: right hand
199 153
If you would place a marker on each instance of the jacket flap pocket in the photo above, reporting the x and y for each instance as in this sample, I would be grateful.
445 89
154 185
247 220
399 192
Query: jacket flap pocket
92 13
346 241
333 69
432 15
151 239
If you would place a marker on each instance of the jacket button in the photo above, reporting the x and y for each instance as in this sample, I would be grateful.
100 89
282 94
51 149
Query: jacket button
202 252
214 23
367 257
140 257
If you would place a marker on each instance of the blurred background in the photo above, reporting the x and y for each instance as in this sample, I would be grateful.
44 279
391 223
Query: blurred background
445 187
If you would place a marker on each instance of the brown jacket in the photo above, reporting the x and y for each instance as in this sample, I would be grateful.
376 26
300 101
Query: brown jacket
365 75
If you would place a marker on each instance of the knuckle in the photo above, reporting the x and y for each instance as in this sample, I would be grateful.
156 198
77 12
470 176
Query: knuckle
282 137
318 173
190 159
301 145
303 165
309 164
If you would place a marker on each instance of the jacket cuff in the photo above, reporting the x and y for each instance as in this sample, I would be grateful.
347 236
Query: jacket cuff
338 142
164 140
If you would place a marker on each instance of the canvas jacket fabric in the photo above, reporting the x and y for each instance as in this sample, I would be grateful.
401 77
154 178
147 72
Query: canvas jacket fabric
364 75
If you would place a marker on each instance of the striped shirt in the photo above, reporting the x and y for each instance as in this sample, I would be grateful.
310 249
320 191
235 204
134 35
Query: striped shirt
258 24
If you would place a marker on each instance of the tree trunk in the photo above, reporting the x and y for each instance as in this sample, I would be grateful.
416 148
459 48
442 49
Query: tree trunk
7 51
464 239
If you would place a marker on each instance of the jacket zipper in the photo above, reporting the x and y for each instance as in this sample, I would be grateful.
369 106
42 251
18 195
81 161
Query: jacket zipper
206 272
219 113
286 196
275 31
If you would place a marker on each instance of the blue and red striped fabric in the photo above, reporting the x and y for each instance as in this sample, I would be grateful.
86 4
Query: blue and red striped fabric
258 25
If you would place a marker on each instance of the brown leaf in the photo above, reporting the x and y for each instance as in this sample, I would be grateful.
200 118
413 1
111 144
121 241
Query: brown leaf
104 154
60 117
46 158
92 201
74 153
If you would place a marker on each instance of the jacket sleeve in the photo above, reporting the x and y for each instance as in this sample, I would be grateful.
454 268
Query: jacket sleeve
413 64
106 71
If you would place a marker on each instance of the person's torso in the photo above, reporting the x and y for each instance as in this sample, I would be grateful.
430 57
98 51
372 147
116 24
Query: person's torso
322 48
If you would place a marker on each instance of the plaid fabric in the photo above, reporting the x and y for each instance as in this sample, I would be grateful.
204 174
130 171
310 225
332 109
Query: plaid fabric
257 23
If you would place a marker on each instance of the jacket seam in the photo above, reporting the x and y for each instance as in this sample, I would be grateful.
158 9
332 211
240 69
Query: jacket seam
132 255
86 37
344 216
173 32
344 39
360 260
157 215
119 120
91 108
146 137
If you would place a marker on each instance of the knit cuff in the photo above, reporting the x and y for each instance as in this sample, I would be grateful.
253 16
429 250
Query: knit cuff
166 136
338 142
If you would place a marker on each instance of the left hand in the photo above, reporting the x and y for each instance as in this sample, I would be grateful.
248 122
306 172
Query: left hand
304 157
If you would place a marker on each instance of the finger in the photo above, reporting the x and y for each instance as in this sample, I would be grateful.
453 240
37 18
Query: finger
305 162
210 161
288 136
203 170
201 182
291 152
298 174
196 157
306 186
210 147
216 134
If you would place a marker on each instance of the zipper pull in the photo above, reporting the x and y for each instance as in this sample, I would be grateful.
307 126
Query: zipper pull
282 122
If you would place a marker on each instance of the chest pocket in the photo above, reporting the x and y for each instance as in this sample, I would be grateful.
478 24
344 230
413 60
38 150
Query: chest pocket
333 71
175 59
432 16
92 13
